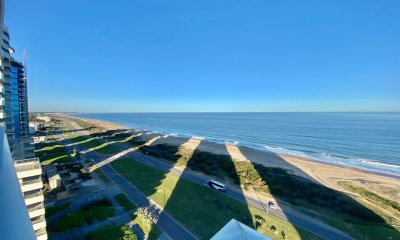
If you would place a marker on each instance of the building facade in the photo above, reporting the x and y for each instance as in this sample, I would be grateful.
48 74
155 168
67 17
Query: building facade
29 174
14 129
23 147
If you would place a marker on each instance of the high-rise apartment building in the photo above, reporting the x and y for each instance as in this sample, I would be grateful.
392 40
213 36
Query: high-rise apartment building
14 120
23 147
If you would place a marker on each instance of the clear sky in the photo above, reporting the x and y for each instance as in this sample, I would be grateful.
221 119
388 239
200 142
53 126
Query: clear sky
140 56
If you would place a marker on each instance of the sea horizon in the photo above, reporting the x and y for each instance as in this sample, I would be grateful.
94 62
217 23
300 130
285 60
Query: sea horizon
315 135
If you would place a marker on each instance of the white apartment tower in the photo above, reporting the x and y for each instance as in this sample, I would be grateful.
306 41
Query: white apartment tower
14 122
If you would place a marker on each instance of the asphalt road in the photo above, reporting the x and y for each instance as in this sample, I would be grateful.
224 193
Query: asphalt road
165 222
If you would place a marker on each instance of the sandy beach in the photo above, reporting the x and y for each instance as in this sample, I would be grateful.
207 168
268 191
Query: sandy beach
324 173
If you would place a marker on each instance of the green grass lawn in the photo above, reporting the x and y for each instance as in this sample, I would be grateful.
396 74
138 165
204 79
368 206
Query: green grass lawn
124 202
99 211
102 176
53 210
112 233
99 146
54 153
202 210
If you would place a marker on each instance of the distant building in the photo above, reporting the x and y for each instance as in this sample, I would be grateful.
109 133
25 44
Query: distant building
235 230
39 139
44 118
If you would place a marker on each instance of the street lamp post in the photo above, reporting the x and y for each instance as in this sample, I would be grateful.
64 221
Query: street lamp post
261 201
164 199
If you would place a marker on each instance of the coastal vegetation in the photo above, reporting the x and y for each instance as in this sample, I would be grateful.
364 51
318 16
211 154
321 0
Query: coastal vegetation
371 196
202 210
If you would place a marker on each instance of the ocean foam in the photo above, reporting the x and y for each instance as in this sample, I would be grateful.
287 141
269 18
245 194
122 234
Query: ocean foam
363 164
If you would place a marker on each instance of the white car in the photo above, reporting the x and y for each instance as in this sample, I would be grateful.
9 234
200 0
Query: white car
272 205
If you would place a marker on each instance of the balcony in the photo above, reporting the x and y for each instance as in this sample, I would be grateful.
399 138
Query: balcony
28 168
34 198
36 211
39 223
2 100
32 185
41 234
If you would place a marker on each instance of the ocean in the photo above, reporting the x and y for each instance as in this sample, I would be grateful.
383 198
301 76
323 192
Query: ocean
368 141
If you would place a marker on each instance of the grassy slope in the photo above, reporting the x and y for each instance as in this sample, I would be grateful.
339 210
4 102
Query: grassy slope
202 210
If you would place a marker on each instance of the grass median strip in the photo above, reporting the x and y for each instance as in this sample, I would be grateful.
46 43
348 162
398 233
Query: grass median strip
202 210
98 146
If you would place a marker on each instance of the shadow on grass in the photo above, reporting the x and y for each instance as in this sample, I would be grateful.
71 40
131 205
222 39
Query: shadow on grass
203 210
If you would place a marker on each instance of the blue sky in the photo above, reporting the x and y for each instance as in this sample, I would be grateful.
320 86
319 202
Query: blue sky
151 56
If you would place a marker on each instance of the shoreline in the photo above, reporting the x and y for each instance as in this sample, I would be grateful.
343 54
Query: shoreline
328 174
261 149
348 167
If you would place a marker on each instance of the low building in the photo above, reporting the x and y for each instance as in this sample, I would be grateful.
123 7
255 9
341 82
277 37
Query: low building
54 179
235 230
39 139
33 127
